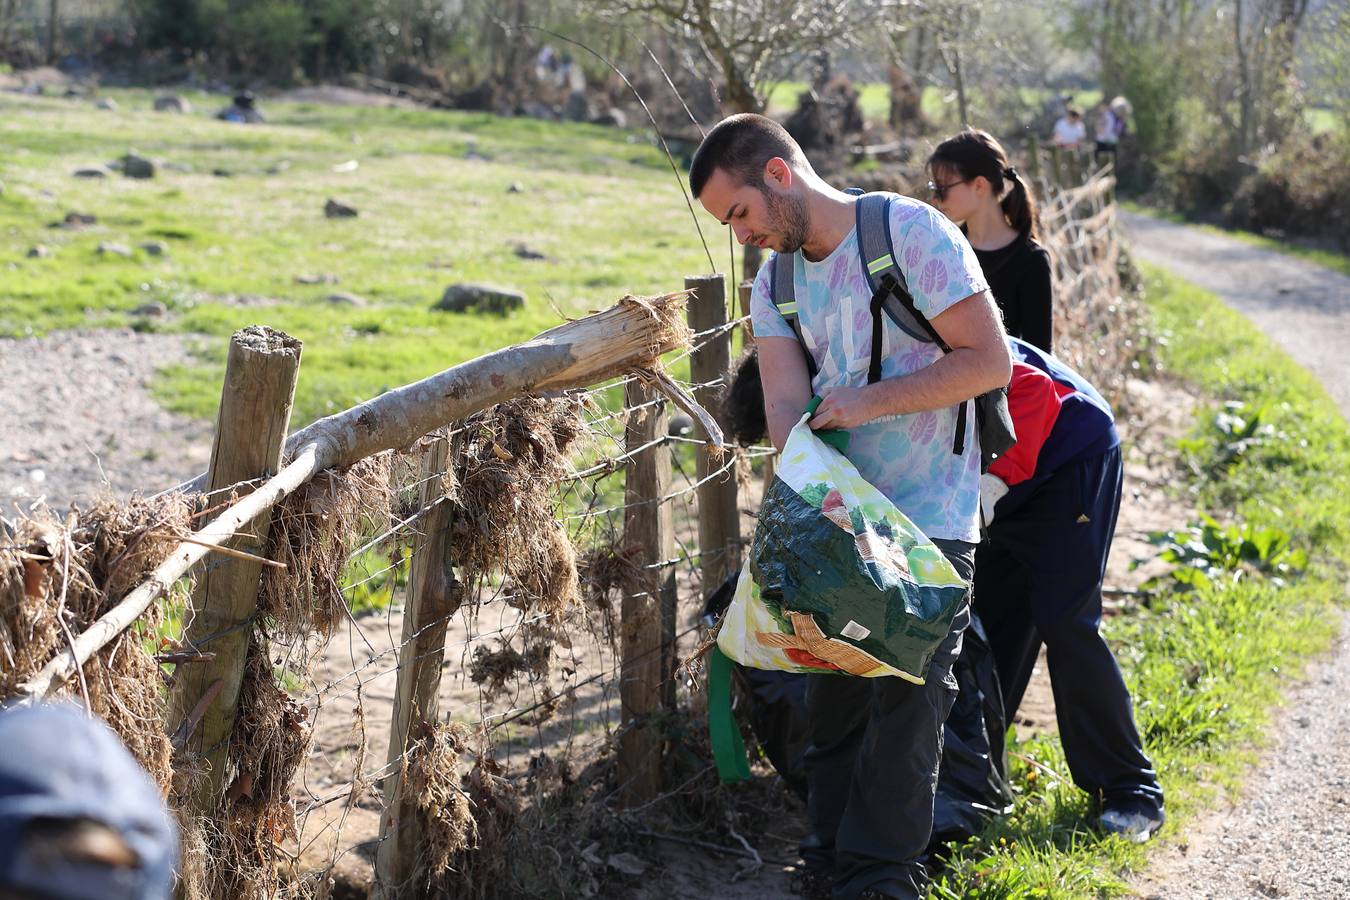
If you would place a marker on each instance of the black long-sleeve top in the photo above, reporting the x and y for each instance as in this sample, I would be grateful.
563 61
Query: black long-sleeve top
1019 276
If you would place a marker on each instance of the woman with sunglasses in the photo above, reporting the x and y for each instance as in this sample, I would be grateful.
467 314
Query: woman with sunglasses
975 186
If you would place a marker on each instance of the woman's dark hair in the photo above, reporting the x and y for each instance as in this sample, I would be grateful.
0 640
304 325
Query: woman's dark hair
974 154
743 408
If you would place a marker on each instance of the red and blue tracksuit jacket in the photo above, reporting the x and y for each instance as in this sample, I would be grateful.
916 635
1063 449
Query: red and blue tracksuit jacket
1059 417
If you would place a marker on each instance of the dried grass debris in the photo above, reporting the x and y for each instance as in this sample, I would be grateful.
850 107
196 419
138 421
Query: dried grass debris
58 577
432 771
313 532
611 572
239 847
511 460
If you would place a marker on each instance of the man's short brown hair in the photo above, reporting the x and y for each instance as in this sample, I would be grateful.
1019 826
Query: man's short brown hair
741 145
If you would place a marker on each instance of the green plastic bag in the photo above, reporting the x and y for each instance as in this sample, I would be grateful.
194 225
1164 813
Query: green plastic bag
838 579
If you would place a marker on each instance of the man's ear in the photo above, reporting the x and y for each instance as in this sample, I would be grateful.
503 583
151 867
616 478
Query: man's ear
777 171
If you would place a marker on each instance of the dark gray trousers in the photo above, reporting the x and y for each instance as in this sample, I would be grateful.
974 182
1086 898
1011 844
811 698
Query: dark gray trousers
872 766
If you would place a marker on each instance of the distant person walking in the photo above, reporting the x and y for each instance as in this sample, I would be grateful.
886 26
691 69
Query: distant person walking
1070 131
1111 119
975 186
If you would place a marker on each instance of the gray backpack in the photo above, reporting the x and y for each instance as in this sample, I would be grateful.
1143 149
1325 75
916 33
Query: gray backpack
890 294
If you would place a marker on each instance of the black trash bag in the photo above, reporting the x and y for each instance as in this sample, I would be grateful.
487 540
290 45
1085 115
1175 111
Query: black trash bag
972 781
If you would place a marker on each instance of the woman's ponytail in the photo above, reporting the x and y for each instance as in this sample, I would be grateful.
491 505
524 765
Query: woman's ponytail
1020 206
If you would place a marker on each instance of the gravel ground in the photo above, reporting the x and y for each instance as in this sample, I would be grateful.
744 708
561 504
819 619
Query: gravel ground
1288 833
1304 307
76 418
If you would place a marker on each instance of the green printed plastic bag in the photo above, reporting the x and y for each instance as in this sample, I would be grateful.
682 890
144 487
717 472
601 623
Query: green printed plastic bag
838 579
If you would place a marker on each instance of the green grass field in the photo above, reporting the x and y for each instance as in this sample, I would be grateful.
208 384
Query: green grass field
432 189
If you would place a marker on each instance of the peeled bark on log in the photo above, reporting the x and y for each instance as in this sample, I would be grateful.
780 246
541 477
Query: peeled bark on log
632 334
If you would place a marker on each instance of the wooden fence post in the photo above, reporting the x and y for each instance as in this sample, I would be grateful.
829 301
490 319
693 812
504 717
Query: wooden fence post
255 411
1075 161
743 291
647 614
1057 166
433 597
719 523
751 259
1034 158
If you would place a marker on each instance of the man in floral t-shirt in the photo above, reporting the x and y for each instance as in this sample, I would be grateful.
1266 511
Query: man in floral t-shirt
875 743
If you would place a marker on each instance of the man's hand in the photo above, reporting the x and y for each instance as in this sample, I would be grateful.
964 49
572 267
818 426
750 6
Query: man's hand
844 407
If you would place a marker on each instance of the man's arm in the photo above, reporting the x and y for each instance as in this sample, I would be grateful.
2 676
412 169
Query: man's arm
787 385
979 362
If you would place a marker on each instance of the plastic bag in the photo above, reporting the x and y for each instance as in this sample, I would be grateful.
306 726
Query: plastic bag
838 579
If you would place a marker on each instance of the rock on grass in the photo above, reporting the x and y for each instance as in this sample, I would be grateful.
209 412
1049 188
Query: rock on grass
480 298
335 210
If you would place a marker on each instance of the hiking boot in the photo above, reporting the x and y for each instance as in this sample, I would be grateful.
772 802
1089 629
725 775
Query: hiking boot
1135 826
812 884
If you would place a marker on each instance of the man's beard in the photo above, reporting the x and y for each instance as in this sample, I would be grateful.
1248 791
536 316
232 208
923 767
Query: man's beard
789 219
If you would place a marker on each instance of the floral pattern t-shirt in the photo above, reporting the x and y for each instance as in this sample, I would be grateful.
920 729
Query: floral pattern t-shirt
909 457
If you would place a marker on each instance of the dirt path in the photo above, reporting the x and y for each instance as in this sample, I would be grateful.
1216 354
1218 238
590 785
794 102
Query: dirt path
1304 307
77 418
1288 833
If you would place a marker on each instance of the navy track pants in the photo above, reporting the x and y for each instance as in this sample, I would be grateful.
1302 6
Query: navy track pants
1038 578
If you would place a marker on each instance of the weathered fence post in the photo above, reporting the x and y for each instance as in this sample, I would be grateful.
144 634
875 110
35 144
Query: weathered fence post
647 614
719 524
743 291
1057 166
751 259
255 410
1034 158
1075 161
433 597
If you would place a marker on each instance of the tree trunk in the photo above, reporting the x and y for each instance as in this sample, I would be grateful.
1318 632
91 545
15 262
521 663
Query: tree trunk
960 86
53 21
1245 98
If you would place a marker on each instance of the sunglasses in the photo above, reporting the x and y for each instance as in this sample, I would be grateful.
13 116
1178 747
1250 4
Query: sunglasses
939 191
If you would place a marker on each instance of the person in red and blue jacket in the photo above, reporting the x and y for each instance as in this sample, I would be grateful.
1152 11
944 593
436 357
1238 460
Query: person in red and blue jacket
1050 506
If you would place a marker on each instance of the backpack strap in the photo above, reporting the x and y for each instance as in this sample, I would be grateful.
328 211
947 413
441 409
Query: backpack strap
783 294
959 441
890 292
876 249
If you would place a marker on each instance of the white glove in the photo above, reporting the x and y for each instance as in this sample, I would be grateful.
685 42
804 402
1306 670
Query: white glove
992 490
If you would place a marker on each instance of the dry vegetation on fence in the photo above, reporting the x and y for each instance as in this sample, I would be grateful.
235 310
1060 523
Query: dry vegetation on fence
518 763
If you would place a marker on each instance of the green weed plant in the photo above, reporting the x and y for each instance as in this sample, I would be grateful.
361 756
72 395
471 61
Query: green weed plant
1206 552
